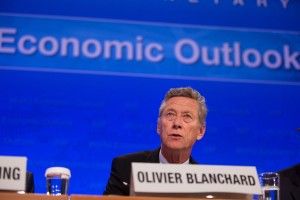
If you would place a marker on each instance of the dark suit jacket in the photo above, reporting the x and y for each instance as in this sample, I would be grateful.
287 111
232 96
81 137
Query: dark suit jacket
119 180
290 183
29 183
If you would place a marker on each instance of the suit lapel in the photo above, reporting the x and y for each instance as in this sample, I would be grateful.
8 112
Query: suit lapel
192 161
153 156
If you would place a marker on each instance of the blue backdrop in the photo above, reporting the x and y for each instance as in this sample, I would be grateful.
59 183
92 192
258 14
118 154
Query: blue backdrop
82 81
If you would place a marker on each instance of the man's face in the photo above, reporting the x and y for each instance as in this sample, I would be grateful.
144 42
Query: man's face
178 125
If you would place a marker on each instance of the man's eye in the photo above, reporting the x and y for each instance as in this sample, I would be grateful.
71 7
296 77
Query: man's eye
169 114
187 116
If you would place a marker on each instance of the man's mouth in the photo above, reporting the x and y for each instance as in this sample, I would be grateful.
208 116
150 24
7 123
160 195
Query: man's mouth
175 135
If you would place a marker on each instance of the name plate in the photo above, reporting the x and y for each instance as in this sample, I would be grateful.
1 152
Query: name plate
175 178
13 173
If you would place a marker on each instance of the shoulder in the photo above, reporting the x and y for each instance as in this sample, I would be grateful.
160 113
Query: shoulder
290 177
142 156
293 170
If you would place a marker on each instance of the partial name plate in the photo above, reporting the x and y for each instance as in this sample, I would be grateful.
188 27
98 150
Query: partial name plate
177 178
13 173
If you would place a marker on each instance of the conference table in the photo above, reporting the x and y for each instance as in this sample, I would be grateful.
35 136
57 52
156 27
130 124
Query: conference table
15 196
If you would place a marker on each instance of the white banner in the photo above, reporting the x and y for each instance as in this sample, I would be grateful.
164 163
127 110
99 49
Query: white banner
176 178
13 173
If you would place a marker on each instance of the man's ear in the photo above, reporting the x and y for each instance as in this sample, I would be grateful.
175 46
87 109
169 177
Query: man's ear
201 132
158 128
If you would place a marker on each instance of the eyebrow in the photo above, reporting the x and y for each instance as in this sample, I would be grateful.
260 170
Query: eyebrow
170 109
185 112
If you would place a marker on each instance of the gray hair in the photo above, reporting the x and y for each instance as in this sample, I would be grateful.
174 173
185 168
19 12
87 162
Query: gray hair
190 93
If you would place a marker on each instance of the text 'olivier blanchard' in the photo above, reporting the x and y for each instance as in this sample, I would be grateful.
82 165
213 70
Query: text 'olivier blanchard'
194 178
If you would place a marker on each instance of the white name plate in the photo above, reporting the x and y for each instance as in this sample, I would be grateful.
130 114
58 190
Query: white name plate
13 173
176 178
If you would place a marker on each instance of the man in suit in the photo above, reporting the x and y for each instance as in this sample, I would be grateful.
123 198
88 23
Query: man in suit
290 183
29 182
181 122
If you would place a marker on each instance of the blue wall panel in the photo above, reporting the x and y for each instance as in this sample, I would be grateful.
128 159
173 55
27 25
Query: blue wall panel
80 112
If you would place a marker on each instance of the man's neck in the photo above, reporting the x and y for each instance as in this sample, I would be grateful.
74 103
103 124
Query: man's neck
175 156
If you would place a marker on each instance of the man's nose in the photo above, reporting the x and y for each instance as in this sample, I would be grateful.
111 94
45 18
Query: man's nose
177 122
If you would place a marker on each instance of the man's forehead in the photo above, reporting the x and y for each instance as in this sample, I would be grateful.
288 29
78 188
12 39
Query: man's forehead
181 102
